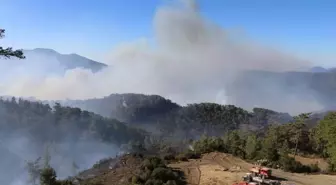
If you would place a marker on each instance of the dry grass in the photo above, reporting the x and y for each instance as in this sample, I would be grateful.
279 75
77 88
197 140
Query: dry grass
212 172
212 169
322 163
116 172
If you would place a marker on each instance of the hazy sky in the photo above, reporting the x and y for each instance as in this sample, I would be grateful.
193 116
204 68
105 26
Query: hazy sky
93 27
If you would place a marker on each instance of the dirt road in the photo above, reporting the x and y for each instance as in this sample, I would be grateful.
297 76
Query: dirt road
224 169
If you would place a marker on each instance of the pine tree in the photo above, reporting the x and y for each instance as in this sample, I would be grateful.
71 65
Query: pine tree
251 146
48 176
9 52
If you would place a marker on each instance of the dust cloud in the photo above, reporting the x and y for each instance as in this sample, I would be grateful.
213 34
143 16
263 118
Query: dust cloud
193 60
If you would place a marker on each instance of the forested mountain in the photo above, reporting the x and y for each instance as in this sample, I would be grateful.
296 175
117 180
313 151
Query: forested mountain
73 136
272 133
126 107
44 123
153 111
274 148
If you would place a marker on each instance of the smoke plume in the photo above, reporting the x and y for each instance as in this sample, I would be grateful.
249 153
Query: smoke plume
17 148
193 60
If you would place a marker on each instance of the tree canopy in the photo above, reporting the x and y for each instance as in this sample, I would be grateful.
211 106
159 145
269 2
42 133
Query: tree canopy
52 124
9 52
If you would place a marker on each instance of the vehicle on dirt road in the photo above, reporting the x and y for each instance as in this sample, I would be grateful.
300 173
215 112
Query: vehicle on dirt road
252 178
262 172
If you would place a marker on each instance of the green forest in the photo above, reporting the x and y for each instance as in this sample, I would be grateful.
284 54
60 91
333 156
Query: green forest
273 143
261 135
48 124
278 142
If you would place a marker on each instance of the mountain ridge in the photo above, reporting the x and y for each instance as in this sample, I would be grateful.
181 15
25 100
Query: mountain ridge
70 61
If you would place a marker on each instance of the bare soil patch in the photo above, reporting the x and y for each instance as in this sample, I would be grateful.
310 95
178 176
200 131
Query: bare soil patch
225 169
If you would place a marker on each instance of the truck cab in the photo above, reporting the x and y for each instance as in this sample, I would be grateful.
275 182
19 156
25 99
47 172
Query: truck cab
261 172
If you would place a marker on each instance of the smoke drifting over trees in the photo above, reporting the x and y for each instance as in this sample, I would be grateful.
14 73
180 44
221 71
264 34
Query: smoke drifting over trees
71 136
194 60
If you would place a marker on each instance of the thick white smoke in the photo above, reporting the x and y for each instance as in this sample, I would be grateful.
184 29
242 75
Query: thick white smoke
16 149
192 61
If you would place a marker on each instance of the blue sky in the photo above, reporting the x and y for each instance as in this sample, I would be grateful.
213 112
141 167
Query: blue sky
93 27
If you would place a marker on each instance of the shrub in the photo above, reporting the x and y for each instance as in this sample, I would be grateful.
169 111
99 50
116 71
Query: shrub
170 182
289 164
155 172
163 174
182 157
154 182
193 155
153 163
135 180
331 167
188 155
209 144
314 168
169 157
145 175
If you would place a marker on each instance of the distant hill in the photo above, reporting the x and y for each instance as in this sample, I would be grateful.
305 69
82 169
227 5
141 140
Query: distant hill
69 61
292 92
128 107
318 69
43 62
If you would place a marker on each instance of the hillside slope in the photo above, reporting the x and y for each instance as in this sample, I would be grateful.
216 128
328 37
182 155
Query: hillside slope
20 115
211 170
132 169
153 111
88 136
128 107
71 136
